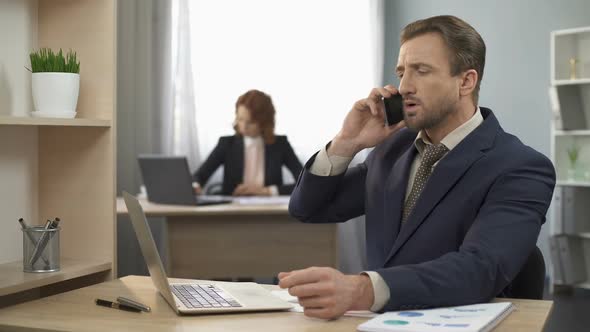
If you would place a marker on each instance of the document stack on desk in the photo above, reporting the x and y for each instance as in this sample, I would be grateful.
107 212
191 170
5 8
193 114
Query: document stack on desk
285 296
262 200
470 318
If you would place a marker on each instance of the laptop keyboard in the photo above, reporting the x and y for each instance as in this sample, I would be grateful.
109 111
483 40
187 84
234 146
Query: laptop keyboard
203 296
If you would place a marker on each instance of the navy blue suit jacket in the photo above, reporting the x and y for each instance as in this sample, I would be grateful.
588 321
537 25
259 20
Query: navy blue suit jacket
229 152
471 230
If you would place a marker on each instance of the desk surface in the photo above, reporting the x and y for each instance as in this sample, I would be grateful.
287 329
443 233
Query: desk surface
164 210
76 311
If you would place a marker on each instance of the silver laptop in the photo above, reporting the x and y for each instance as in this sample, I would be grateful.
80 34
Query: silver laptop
202 297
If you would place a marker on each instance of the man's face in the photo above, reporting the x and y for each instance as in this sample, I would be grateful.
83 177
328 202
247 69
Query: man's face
430 92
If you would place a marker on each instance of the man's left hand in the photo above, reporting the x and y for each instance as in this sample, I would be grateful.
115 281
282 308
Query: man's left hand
327 293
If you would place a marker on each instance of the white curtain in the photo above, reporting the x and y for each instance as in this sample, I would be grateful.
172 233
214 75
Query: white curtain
179 127
377 24
352 234
314 58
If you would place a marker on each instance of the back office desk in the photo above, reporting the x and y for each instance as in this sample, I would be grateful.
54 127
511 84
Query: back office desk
233 240
76 311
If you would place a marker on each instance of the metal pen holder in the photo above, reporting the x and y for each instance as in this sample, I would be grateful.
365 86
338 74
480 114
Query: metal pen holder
41 249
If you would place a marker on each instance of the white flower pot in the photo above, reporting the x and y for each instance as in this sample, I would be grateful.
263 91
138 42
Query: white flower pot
55 94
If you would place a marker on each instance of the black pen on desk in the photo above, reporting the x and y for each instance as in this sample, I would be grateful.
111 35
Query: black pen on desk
24 227
115 305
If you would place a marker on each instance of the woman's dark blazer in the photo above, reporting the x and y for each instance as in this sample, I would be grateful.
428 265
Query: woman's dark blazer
229 152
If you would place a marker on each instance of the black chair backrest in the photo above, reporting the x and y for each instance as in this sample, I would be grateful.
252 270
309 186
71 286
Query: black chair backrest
215 188
530 281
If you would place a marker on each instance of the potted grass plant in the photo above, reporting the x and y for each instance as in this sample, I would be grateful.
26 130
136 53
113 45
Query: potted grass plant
574 171
55 83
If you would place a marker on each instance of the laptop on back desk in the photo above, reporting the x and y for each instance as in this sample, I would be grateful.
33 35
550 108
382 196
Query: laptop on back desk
168 181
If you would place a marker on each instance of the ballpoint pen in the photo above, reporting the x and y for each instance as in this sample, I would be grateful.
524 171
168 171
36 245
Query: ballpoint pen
115 305
54 225
134 304
24 227
41 244
22 223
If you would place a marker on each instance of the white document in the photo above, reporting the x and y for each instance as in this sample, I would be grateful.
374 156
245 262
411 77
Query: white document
285 296
262 200
470 318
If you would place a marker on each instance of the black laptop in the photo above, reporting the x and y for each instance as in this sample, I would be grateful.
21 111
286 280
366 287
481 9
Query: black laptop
167 180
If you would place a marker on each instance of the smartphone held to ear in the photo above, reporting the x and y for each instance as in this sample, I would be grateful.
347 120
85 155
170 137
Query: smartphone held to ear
394 109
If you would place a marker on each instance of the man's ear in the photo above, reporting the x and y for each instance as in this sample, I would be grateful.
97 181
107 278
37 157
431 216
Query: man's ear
468 82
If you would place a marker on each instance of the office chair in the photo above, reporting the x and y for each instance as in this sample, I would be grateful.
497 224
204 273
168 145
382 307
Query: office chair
530 281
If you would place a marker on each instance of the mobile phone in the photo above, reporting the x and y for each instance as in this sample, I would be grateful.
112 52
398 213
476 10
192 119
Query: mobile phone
394 109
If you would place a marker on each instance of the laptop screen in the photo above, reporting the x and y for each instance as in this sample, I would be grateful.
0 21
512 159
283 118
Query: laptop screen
148 247
167 179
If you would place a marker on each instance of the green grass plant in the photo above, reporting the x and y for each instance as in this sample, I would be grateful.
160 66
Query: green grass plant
45 60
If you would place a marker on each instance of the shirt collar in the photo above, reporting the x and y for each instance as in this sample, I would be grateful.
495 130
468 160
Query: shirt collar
248 140
454 137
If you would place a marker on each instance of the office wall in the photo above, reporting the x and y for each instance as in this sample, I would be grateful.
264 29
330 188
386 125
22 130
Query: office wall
18 189
18 36
18 158
516 75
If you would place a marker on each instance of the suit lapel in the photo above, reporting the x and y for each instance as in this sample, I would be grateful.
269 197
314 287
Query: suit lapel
443 178
445 175
238 159
396 185
268 150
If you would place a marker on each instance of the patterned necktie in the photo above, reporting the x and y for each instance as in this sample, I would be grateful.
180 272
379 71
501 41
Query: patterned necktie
432 154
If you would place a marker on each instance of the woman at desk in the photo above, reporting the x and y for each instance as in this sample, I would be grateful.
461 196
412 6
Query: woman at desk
254 156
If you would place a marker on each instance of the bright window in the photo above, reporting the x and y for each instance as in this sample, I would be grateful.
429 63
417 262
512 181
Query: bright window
314 58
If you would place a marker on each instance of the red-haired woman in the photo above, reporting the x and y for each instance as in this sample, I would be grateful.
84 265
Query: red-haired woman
254 156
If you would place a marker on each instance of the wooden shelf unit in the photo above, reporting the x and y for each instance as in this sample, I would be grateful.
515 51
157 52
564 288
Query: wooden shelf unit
14 280
26 121
570 131
572 82
571 183
66 167
585 285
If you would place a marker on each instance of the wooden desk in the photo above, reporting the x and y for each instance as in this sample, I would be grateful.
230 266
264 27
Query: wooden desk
233 240
76 311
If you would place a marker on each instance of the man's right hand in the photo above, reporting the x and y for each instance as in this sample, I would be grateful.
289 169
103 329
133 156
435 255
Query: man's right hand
364 126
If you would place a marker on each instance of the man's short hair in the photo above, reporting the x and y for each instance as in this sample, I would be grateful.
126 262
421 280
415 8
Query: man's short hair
467 48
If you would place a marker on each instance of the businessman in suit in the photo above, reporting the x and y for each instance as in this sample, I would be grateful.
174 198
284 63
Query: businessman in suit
453 204
252 158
